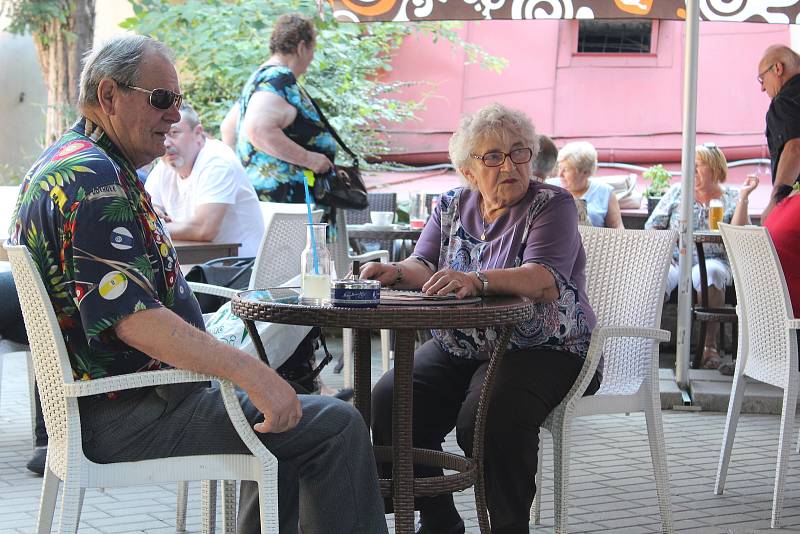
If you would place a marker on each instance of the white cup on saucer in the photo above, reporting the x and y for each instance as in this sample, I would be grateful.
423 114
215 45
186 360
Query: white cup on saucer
381 218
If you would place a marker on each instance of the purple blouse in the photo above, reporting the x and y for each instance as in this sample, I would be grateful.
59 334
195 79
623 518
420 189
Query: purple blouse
540 228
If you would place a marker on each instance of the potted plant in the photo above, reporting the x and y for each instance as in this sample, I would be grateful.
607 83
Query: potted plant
659 184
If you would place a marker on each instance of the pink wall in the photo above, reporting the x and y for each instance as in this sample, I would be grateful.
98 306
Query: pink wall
628 106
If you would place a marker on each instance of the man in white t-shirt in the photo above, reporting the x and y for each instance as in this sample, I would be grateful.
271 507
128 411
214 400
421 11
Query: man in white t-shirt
202 191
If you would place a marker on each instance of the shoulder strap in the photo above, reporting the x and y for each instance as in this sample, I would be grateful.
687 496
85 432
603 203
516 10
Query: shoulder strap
329 127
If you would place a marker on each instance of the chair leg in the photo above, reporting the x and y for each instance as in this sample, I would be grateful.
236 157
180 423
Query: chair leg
180 512
655 433
386 346
47 502
71 501
32 390
347 351
561 435
209 498
731 421
229 507
536 510
784 445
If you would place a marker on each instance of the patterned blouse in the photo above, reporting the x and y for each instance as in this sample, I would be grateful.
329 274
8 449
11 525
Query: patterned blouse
276 180
541 228
666 214
101 249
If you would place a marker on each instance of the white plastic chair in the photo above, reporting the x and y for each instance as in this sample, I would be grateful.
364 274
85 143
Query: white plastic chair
626 273
767 343
65 458
340 250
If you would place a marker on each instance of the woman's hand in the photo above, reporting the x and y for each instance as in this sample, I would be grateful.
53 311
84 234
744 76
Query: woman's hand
449 281
749 185
318 163
384 273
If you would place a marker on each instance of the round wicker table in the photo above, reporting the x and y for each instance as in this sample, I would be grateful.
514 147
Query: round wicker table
282 306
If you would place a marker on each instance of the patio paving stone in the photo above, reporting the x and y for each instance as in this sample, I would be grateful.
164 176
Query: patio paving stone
611 481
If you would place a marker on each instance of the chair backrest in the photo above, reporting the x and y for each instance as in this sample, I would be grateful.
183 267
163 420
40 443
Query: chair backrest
626 274
770 350
377 202
48 352
278 258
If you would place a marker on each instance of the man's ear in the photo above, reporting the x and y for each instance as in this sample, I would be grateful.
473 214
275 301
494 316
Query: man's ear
779 70
198 130
108 95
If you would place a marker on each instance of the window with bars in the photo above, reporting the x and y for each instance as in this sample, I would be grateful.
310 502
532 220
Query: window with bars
614 37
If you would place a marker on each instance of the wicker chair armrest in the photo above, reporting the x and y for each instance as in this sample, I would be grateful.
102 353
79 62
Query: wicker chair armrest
793 324
380 255
209 289
133 380
242 425
599 337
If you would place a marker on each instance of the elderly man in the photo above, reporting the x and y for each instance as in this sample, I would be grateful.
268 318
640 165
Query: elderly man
778 75
124 307
202 190
544 165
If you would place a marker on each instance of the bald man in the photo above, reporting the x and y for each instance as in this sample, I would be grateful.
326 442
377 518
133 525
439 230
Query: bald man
778 75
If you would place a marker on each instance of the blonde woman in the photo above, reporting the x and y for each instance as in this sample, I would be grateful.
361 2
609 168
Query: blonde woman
576 163
711 171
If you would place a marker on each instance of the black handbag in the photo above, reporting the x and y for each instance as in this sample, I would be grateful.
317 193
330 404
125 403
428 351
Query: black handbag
232 272
341 186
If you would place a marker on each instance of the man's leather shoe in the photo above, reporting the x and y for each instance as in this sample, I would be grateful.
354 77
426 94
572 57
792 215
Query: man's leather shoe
457 528
37 461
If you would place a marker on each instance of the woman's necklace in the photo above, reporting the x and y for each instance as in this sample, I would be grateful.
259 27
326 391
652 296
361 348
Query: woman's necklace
485 227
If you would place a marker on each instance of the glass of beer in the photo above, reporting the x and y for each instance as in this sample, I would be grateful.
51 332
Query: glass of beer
716 211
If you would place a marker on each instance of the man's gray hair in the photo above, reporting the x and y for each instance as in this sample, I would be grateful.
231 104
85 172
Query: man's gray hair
581 154
545 162
494 120
190 115
782 54
118 58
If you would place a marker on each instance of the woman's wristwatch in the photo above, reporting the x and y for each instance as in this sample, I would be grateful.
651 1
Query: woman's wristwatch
484 280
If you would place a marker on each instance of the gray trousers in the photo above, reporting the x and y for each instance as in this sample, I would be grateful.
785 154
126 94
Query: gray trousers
327 480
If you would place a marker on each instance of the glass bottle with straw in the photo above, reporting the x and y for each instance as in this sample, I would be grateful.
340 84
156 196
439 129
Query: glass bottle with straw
315 261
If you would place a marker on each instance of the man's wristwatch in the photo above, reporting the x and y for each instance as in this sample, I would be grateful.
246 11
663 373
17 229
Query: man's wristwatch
484 281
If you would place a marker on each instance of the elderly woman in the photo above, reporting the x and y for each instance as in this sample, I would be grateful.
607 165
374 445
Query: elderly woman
503 234
576 163
711 170
274 127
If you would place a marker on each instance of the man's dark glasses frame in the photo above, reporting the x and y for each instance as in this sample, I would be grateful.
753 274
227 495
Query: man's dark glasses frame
162 99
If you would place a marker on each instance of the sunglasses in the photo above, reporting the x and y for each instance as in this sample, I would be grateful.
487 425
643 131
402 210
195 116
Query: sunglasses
496 159
162 99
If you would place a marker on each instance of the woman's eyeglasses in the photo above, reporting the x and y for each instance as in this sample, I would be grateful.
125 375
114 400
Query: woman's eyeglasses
495 159
162 99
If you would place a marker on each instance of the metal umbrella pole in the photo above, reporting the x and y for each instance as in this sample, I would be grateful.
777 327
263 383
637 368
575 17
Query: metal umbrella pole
686 242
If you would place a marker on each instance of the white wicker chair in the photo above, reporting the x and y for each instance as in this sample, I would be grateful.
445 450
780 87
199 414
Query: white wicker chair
767 343
65 458
626 273
340 249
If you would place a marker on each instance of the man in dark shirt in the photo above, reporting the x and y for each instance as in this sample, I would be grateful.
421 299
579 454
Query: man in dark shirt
778 75
124 307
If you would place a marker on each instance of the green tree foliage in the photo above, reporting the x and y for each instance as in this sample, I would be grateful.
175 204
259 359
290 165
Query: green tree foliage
219 43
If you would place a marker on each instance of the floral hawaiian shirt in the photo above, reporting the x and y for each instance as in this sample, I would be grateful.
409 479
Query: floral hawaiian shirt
102 251
276 180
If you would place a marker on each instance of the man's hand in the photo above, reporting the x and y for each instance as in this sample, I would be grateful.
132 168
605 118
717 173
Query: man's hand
277 400
318 163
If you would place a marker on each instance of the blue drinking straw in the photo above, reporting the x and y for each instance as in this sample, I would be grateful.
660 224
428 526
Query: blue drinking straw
309 177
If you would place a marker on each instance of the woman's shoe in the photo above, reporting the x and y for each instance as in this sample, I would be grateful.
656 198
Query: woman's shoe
711 359
457 528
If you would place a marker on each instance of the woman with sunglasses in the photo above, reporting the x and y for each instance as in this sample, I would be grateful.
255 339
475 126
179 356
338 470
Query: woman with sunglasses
711 171
501 234
273 127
